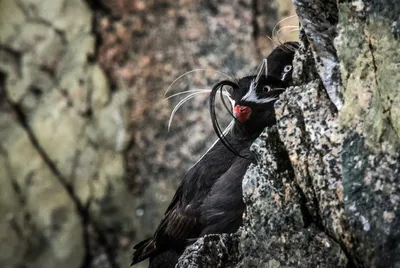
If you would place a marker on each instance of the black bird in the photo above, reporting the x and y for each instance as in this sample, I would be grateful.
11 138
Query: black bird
209 199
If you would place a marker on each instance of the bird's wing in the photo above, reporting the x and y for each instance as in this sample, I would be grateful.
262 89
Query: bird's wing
222 209
179 221
177 225
143 250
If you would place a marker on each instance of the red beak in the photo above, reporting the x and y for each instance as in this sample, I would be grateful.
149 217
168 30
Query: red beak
242 113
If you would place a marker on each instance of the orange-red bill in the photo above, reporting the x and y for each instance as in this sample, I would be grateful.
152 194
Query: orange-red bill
242 113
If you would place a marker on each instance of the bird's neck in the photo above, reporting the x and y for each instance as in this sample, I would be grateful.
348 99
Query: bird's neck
245 132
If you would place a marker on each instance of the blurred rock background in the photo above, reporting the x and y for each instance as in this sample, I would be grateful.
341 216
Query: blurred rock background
87 166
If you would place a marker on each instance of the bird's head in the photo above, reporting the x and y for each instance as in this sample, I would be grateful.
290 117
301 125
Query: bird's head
253 103
253 97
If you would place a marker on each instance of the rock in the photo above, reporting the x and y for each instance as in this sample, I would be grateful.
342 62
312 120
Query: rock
211 251
278 228
370 152
319 21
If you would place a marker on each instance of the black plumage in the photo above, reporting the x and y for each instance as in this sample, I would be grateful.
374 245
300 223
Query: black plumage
209 199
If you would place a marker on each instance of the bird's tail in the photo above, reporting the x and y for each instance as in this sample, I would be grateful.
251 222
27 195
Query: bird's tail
143 250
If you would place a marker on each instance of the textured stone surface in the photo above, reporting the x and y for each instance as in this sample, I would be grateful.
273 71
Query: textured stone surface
211 251
370 119
340 159
319 20
279 230
310 130
371 70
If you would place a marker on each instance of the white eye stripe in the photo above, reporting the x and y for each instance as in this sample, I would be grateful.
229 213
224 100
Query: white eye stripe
251 96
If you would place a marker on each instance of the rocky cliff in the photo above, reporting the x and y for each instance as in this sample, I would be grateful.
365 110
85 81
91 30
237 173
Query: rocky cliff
87 166
326 190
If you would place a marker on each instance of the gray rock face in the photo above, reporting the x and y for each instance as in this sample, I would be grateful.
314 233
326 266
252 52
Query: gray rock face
279 229
370 119
319 20
336 203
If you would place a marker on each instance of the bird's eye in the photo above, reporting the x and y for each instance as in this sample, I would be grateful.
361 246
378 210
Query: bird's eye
266 88
287 68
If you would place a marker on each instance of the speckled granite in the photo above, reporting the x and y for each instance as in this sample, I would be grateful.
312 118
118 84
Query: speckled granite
319 20
369 52
211 251
279 228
